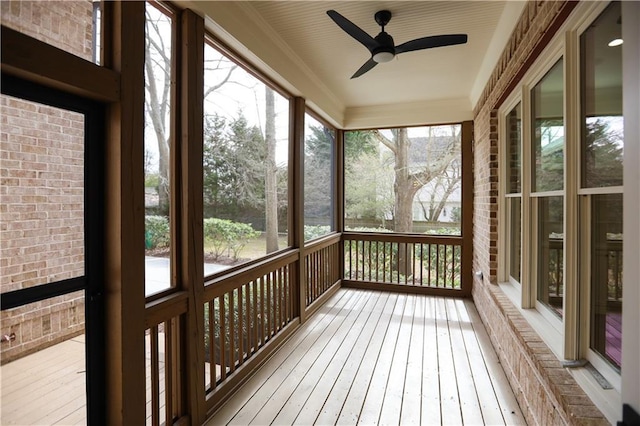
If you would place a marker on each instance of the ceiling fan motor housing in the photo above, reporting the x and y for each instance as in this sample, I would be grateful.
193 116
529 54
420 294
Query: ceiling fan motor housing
386 50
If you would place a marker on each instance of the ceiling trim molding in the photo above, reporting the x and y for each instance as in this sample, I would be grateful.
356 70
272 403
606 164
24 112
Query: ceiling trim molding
239 26
408 114
508 20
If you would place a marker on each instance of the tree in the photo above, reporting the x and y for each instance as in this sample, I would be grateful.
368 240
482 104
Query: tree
158 80
270 176
410 177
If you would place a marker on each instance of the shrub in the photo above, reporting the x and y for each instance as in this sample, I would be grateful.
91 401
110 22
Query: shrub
315 231
226 236
156 232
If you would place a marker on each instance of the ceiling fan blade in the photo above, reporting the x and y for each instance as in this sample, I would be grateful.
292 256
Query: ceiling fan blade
366 67
432 41
353 30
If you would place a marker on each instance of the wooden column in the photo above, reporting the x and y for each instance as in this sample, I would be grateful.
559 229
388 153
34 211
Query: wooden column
296 200
467 208
124 216
339 198
189 209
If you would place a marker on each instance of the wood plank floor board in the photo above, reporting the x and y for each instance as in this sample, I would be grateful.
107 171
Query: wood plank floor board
309 330
430 398
356 391
489 404
286 376
374 399
507 400
300 385
449 397
469 404
394 391
411 408
333 378
319 379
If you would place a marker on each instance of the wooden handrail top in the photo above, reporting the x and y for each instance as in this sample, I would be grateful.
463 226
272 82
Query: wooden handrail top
165 308
453 240
323 242
222 284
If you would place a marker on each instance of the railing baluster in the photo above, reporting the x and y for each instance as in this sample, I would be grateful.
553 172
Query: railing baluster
240 325
168 376
213 379
155 376
232 332
223 328
270 318
255 315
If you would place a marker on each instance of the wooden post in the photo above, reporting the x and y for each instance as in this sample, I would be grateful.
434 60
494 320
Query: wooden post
339 200
466 277
296 202
124 216
190 257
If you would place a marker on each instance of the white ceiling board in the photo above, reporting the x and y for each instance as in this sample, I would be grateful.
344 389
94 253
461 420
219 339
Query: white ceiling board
295 42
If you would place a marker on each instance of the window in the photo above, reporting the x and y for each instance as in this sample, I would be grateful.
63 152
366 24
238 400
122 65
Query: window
158 138
562 198
319 178
514 188
601 154
547 183
404 179
245 164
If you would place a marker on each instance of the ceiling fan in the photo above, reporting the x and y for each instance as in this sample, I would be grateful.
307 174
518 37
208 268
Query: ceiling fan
382 47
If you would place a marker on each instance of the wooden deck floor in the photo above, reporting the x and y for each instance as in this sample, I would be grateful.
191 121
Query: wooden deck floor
365 357
45 388
380 358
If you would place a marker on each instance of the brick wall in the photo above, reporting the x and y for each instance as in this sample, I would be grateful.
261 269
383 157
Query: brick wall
545 391
67 25
41 188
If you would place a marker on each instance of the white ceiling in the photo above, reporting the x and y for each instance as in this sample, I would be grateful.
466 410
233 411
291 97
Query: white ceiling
301 48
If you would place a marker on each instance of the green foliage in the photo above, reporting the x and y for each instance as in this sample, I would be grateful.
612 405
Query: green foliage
312 232
151 180
156 232
234 166
227 237
436 265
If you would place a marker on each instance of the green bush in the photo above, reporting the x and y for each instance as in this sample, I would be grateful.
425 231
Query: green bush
227 237
156 231
312 232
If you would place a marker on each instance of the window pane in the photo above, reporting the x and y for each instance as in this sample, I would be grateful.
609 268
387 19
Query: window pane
606 276
550 252
69 25
514 152
157 149
41 194
602 142
548 132
515 237
404 180
245 165
319 146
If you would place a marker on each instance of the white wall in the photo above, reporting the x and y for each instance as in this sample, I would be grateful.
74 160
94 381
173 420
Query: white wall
631 285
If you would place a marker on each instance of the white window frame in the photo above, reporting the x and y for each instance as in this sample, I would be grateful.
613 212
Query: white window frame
568 338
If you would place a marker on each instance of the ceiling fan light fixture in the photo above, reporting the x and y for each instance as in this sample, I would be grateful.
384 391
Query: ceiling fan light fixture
383 56
615 42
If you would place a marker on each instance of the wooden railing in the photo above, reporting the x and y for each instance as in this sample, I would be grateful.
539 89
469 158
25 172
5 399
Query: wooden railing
322 261
243 311
416 261
161 351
